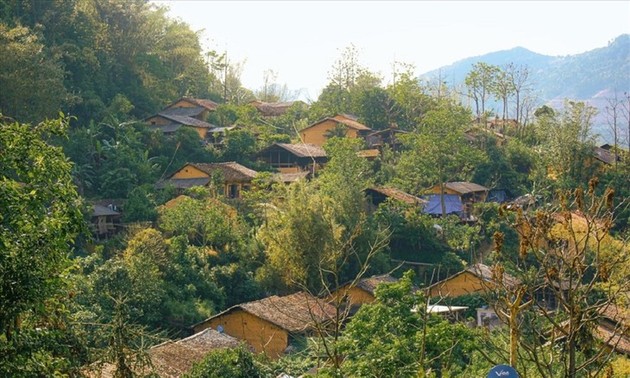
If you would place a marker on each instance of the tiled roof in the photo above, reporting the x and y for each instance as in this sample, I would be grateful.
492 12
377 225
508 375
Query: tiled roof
465 187
174 358
208 104
193 111
232 171
294 313
99 211
303 149
371 283
351 123
485 273
188 121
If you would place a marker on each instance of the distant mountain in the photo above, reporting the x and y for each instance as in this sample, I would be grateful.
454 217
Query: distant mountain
581 77
591 76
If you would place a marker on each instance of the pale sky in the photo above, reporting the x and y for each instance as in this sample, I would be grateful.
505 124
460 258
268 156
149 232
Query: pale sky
300 40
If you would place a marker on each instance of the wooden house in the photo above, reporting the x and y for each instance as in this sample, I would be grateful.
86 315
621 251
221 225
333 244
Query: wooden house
234 178
474 279
105 221
172 358
339 125
185 112
271 325
469 193
294 158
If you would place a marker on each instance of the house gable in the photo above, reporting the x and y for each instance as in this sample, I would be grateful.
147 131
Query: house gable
189 171
262 335
317 132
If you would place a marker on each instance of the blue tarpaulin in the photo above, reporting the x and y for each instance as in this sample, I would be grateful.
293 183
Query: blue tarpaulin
452 203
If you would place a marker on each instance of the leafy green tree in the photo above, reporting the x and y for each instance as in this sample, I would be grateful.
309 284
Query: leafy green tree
31 77
480 82
437 153
227 363
40 219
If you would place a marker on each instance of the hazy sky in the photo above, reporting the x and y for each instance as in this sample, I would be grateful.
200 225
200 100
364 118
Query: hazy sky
300 40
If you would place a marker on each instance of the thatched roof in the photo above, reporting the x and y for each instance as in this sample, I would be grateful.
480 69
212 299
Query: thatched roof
174 358
231 170
462 187
295 313
371 153
398 195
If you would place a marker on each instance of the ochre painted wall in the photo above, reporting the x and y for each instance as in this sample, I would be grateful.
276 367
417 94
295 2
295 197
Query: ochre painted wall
202 131
461 284
157 120
316 134
189 171
260 334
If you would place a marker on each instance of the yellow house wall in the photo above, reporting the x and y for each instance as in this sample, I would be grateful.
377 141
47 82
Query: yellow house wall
316 134
202 132
436 190
189 172
260 334
464 283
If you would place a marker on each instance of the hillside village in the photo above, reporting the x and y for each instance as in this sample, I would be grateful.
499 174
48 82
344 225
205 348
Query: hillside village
173 223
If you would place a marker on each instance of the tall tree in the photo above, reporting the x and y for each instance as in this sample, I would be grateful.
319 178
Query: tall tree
40 219
480 81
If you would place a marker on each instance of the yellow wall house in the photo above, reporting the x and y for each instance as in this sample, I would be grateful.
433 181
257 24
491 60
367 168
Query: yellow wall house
270 324
185 112
233 177
474 279
360 293
320 131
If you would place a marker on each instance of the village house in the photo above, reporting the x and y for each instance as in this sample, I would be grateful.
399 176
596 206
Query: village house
185 112
173 359
105 221
354 295
231 177
271 325
468 192
339 125
477 278
294 158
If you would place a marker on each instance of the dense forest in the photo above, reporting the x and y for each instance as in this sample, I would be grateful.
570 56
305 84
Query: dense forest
80 78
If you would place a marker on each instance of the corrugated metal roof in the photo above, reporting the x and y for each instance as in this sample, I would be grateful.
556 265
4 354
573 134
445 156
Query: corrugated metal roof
99 211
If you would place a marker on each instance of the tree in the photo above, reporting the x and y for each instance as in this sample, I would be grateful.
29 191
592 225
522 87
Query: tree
226 363
480 81
437 153
31 77
40 219
503 88
519 79
566 250
566 142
